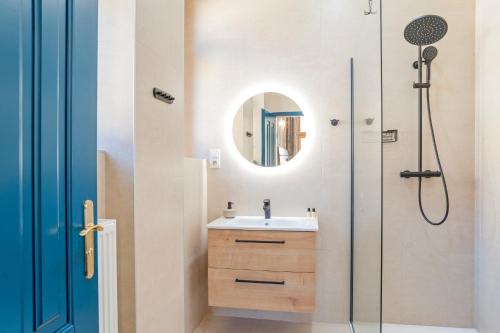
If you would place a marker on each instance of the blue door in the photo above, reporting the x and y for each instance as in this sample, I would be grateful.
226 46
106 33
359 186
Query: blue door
48 83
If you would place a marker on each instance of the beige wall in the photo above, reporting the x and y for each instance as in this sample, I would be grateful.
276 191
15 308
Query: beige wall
488 166
195 242
159 164
240 46
115 137
141 47
429 271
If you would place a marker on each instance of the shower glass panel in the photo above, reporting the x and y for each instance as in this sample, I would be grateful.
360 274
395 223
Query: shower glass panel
366 181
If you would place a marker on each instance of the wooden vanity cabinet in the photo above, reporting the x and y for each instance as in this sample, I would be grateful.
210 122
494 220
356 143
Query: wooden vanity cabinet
262 270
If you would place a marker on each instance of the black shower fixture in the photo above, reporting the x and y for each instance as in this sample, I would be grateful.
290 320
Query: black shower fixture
423 31
426 30
430 53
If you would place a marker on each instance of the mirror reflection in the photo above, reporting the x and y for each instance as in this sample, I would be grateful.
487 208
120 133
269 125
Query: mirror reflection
268 129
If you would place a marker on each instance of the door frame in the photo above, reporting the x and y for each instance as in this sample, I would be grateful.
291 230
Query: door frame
268 138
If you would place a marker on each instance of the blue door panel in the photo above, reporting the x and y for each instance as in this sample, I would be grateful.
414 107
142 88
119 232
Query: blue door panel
11 188
50 166
15 176
48 65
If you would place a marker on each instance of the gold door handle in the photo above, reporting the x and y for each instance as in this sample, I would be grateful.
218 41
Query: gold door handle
88 233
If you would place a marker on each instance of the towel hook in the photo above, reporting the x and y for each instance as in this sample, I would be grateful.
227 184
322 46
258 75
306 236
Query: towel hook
370 10
334 122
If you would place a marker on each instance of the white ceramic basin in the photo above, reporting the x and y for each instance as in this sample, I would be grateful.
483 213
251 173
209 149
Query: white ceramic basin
260 223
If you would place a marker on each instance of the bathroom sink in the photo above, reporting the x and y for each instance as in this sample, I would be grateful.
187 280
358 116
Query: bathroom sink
260 223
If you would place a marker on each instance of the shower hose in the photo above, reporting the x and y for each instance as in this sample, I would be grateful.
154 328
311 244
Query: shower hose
438 159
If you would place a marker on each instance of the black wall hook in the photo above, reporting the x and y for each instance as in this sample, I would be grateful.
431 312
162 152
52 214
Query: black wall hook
163 96
334 122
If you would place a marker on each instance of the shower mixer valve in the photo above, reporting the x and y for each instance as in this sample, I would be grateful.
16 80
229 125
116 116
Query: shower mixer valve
419 174
423 85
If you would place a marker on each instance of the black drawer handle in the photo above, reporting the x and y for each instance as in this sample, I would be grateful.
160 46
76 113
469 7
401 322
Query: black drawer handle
260 241
260 282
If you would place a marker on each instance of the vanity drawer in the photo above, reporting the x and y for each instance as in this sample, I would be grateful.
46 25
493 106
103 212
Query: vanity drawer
262 250
261 290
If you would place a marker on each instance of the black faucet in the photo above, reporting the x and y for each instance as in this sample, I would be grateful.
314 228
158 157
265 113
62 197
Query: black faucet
267 208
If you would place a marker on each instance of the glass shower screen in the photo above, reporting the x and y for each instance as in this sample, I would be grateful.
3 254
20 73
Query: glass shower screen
366 177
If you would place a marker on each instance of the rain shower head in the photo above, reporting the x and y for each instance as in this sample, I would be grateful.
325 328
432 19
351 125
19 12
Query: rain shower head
426 30
429 54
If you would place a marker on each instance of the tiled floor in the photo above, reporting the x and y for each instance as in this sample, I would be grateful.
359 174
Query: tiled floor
390 328
217 324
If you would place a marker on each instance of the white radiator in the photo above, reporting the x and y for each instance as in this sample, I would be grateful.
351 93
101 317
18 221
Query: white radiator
108 299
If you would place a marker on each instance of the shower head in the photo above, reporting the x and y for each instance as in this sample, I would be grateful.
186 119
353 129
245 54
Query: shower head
429 54
426 30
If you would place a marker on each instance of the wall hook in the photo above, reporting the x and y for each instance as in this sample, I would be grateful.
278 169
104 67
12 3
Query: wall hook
334 122
163 96
370 10
369 121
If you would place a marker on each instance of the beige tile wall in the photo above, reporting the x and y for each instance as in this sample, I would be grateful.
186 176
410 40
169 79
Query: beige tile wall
429 271
488 166
159 164
234 46
115 136
195 242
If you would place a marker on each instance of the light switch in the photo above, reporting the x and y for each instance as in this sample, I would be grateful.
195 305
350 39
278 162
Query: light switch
214 159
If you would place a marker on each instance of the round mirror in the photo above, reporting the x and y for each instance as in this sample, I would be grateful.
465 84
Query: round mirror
268 129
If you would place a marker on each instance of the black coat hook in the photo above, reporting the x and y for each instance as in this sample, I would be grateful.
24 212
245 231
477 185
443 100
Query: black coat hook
334 122
163 96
